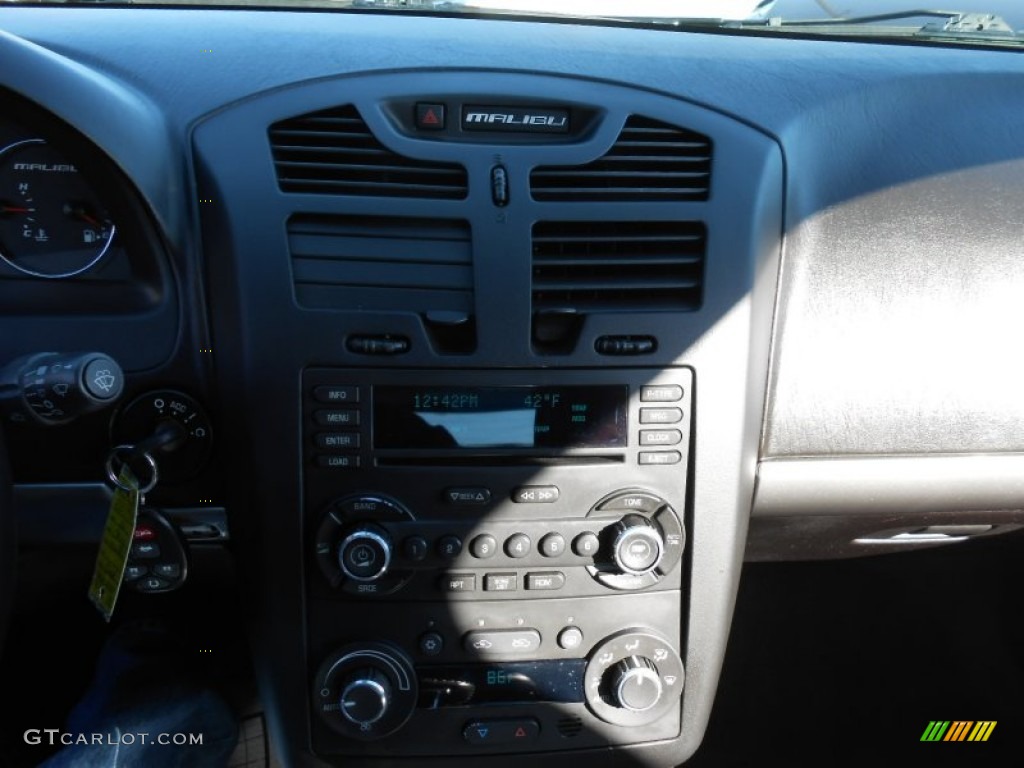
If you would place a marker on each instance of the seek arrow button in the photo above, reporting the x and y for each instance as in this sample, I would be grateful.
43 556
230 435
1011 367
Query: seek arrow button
467 496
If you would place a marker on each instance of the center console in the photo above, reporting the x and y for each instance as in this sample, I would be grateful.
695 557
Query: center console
495 558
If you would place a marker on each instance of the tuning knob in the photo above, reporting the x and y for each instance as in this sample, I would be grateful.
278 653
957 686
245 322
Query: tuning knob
637 547
636 685
365 554
365 697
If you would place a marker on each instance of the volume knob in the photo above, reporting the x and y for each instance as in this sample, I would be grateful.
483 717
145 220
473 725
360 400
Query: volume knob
636 685
365 554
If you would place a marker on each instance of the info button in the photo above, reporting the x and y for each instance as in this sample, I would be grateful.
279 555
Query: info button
535 494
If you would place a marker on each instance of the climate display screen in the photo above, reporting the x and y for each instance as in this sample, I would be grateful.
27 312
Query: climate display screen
500 417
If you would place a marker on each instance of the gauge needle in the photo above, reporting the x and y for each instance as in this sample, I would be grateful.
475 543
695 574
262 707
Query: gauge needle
15 209
79 212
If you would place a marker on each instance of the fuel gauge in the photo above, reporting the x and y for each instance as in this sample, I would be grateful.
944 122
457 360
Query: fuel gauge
52 225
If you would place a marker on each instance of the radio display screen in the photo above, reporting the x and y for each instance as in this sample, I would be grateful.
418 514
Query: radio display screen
500 417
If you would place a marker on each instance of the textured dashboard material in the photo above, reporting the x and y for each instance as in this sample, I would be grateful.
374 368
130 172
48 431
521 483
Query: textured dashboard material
897 321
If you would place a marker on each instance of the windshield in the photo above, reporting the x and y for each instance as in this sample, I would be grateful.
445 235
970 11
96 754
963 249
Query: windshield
982 23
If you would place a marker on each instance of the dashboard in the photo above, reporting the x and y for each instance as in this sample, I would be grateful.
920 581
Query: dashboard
492 348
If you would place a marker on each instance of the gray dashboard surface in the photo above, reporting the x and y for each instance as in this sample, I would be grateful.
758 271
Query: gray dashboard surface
902 209
902 214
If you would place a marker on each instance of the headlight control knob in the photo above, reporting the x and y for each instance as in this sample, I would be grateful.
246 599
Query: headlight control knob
637 546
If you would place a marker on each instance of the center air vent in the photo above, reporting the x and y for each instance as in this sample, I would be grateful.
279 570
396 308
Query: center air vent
649 161
382 263
333 152
617 266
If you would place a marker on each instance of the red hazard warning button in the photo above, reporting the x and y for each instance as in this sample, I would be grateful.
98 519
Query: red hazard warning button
430 117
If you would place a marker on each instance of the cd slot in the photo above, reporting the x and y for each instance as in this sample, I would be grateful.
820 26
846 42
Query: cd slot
499 460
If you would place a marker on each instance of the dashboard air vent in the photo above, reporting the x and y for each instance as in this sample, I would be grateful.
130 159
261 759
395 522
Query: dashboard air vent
614 266
333 152
381 263
649 161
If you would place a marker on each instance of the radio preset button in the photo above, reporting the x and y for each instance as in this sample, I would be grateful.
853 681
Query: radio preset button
660 457
458 582
502 641
500 582
467 496
333 394
414 548
661 393
337 440
552 545
586 544
483 546
449 547
545 581
661 415
660 437
348 417
535 494
341 461
517 545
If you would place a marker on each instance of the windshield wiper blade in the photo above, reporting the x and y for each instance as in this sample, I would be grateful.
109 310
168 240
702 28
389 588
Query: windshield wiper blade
959 25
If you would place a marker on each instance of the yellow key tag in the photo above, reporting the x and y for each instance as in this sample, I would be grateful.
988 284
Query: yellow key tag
115 544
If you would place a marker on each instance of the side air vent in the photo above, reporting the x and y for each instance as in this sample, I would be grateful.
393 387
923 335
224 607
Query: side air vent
616 266
382 263
649 161
333 152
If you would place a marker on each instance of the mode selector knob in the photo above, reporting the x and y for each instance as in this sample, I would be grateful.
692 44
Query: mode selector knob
636 685
365 553
638 545
365 697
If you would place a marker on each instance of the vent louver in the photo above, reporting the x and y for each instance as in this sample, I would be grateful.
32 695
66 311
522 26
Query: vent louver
649 161
608 266
333 152
381 263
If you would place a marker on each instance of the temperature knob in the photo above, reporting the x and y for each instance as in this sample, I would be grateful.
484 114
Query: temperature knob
636 685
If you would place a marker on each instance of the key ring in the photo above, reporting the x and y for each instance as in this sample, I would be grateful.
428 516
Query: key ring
113 476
